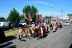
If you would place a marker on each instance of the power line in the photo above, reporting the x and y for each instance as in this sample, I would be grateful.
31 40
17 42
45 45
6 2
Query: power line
62 13
10 5
51 6
54 4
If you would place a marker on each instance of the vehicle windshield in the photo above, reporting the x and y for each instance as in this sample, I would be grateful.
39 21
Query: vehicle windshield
22 22
67 22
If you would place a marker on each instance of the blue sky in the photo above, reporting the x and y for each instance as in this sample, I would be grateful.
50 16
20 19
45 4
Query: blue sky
43 6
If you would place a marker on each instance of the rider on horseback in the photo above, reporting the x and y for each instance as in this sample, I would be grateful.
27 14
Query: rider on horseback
20 33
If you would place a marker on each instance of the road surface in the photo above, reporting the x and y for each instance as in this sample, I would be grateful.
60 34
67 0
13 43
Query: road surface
60 39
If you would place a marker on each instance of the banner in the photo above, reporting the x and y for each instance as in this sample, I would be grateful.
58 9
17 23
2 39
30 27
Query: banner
29 17
25 16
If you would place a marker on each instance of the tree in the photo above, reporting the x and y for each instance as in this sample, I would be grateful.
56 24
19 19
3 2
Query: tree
30 10
69 15
21 17
26 10
13 16
46 17
33 13
2 18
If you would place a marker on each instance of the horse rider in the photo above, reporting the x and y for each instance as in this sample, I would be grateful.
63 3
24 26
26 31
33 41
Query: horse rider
54 27
33 25
20 33
40 26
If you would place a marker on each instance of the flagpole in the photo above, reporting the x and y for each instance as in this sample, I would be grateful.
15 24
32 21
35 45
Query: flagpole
28 18
36 16
24 19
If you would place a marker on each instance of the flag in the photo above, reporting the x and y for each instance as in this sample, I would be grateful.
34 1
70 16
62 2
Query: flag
41 17
57 18
29 17
25 16
36 16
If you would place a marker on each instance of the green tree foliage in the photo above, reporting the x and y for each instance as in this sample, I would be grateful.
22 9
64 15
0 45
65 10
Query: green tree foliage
2 18
48 17
33 13
26 10
69 15
21 17
30 10
13 16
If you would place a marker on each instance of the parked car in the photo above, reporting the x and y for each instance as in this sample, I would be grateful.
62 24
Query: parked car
23 23
11 25
2 35
4 24
67 23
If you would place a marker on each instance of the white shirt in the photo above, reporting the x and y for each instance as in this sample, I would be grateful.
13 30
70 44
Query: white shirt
33 25
54 27
44 24
20 30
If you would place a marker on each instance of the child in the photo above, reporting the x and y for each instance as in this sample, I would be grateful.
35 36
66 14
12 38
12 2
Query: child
20 33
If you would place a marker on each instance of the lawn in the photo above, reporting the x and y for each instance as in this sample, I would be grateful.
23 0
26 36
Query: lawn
11 32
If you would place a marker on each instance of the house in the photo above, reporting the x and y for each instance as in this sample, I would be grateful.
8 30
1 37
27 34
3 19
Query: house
70 18
47 20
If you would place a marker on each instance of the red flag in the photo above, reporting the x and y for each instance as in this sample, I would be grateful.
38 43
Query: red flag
30 17
57 18
25 16
40 17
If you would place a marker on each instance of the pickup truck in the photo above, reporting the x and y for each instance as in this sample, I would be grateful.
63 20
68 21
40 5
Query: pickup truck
2 35
21 24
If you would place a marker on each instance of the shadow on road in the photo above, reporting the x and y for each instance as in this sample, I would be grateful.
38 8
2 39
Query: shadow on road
6 42
46 34
14 46
70 46
7 45
9 38
71 32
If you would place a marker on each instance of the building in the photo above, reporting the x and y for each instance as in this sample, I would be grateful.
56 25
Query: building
70 18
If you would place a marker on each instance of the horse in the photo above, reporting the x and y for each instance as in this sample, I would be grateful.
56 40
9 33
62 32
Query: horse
45 29
51 26
38 32
60 26
57 25
54 28
27 32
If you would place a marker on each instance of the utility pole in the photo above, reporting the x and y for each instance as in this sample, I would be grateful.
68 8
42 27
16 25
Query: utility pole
36 16
62 13
51 6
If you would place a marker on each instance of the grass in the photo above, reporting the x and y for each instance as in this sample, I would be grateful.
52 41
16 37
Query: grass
11 33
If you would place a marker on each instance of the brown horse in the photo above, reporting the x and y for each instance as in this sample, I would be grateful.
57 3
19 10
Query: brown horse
60 26
57 24
39 32
27 32
51 26
45 29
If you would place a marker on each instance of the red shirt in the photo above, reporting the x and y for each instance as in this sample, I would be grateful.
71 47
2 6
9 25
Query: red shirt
40 24
28 26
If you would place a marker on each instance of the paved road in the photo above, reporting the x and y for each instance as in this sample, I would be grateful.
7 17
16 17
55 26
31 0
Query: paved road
60 39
